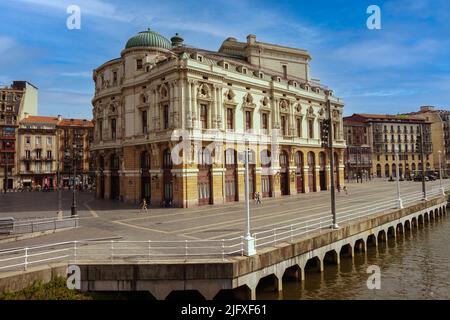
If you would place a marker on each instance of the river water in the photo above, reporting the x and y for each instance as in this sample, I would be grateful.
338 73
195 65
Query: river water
416 267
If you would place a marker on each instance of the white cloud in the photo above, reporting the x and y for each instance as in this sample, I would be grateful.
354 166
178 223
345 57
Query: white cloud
6 44
97 8
80 74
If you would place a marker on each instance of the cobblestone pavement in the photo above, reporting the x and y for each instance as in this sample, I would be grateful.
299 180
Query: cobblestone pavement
113 219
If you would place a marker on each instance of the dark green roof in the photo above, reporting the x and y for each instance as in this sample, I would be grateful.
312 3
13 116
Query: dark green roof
148 38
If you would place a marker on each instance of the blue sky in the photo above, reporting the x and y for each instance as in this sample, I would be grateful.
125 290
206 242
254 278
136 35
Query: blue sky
396 69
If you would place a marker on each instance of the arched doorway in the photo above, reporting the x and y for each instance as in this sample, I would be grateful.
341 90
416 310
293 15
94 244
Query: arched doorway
145 177
387 170
379 170
266 177
284 173
337 180
322 170
400 170
299 162
407 171
311 172
115 180
204 182
167 179
413 168
394 170
102 178
231 185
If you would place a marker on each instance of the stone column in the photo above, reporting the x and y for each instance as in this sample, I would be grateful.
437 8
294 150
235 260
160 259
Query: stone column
317 168
306 178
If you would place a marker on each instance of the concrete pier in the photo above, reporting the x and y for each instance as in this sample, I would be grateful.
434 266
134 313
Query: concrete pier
242 275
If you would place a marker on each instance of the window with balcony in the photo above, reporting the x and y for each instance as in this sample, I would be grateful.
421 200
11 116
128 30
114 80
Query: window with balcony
139 64
166 117
113 129
49 141
265 121
283 126
27 154
299 127
38 154
144 122
49 154
38 141
230 118
311 129
248 120
38 167
204 116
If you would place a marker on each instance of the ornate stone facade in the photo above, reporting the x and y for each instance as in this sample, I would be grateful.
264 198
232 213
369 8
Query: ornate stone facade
171 124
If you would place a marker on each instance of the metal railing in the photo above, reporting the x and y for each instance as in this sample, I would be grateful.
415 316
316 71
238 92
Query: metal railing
308 224
186 250
38 225
119 251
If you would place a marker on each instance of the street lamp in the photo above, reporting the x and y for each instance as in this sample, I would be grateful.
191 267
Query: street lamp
440 173
249 241
73 208
397 171
331 156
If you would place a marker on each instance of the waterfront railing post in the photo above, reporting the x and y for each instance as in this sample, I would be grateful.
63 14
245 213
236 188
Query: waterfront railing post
223 249
149 249
112 250
25 265
75 251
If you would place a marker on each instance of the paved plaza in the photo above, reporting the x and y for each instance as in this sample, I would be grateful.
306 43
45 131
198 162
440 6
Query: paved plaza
106 219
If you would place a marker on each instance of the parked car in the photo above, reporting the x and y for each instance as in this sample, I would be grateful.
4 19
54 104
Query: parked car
419 178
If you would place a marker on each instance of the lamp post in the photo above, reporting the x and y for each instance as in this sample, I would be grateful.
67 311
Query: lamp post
331 156
73 208
440 173
422 161
249 241
397 172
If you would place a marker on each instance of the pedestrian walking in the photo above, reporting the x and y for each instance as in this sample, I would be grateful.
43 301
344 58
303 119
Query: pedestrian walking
346 191
258 198
144 206
339 188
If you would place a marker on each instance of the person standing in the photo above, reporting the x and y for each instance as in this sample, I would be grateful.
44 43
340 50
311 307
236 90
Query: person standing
258 198
144 206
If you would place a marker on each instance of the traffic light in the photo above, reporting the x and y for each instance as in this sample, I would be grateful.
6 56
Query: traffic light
324 133
419 144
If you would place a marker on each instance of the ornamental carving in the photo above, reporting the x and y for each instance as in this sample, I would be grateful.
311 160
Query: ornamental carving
248 101
265 102
204 92
229 96
284 105
311 112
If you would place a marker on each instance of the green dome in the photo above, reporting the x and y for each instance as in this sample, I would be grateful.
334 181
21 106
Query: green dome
148 39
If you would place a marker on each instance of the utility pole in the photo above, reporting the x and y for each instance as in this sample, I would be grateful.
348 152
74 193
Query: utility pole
329 144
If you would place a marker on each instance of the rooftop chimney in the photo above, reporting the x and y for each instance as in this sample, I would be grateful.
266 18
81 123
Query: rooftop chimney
59 117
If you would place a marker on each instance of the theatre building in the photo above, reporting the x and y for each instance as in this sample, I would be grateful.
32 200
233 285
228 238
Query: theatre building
163 98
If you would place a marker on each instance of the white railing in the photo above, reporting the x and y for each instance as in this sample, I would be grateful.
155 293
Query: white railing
285 233
119 251
37 225
184 250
